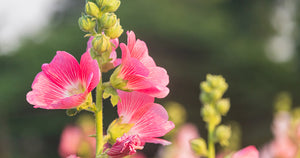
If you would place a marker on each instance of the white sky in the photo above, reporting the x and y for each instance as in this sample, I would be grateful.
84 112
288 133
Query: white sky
20 18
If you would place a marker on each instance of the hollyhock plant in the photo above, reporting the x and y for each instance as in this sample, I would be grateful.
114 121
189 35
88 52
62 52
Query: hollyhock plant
146 121
64 83
139 71
248 152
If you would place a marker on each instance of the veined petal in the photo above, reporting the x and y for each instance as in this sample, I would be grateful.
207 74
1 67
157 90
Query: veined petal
159 76
153 123
63 70
89 66
156 141
156 91
133 105
130 40
133 67
139 50
44 92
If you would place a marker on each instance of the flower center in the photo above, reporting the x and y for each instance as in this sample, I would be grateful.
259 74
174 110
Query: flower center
74 88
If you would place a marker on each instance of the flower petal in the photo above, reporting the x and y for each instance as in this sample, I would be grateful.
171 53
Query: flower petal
153 123
130 40
133 105
63 70
133 67
89 66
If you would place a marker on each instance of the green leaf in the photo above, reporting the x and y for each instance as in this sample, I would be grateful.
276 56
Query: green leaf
112 93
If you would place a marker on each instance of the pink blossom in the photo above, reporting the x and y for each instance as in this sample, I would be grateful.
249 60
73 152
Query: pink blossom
248 152
64 83
149 121
70 141
113 54
181 146
140 70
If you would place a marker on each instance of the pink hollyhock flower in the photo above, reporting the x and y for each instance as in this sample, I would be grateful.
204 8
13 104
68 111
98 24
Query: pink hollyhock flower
64 83
149 121
75 139
70 141
113 54
248 152
181 146
140 70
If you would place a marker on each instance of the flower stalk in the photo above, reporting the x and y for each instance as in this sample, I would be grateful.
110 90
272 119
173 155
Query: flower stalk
99 119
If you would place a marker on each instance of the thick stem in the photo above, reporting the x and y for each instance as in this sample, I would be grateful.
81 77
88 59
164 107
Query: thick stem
211 143
99 118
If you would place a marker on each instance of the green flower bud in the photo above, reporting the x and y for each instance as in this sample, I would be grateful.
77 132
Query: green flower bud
109 5
108 20
210 115
199 146
213 88
86 23
117 129
92 9
101 44
114 31
223 106
205 87
223 134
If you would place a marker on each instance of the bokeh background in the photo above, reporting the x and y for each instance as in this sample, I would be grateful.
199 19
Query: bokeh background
254 44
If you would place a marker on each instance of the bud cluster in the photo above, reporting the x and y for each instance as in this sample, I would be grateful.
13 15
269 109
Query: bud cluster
214 107
101 22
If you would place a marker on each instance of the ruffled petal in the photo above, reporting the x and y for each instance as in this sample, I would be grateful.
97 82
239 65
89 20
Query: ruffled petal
130 40
156 141
139 50
89 66
133 67
133 105
125 145
63 70
44 92
153 123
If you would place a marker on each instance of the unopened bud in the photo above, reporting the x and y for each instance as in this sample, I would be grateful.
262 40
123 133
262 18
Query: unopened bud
223 134
114 31
223 106
210 115
199 146
86 23
109 5
101 44
108 20
92 9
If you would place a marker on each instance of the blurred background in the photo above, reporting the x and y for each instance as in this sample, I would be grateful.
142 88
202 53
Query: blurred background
254 44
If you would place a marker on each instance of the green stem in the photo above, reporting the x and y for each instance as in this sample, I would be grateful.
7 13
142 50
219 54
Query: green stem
99 118
211 143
